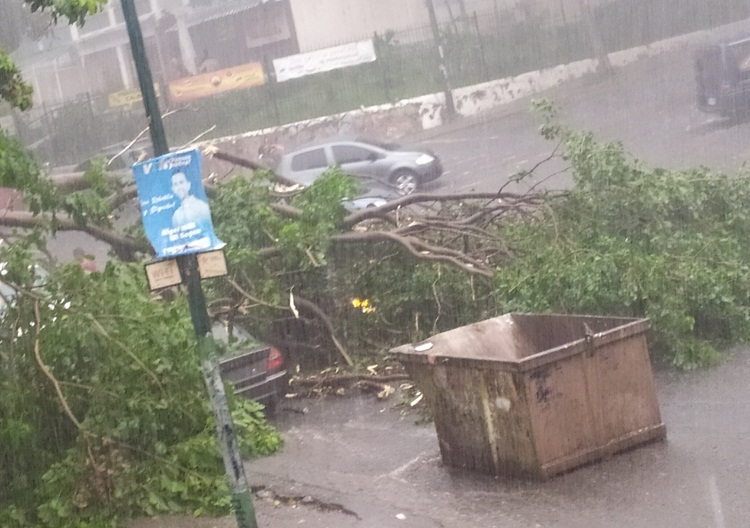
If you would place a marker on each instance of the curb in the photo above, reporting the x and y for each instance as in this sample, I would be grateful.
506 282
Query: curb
558 93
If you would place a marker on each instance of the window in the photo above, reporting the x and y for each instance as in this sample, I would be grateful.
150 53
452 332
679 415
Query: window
312 159
350 154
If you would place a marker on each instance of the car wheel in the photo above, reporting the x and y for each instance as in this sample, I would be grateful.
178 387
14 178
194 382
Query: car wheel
405 181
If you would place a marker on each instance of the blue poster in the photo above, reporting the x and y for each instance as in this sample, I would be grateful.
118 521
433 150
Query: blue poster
174 206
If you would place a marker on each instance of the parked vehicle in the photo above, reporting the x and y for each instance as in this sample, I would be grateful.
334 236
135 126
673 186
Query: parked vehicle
371 194
384 166
722 72
256 369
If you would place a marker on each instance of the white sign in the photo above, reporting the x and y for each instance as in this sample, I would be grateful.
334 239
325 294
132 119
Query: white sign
163 274
212 264
324 60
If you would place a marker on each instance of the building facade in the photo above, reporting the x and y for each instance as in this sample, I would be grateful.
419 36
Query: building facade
184 38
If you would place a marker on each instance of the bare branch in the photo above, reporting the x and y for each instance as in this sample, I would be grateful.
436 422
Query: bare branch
242 162
320 314
533 169
122 196
196 138
410 199
139 136
251 297
129 145
428 252
47 372
125 247
287 211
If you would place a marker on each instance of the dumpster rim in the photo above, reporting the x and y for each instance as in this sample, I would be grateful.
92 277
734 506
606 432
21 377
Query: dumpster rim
632 326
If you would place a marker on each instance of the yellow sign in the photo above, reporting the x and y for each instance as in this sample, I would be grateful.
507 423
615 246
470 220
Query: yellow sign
127 97
220 81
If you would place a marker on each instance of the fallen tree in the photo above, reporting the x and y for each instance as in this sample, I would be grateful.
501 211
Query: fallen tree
458 230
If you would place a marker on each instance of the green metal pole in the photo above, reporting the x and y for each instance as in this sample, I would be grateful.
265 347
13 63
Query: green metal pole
241 500
450 107
146 82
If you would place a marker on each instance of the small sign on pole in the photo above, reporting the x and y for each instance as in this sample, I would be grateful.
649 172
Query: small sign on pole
212 264
166 273
163 274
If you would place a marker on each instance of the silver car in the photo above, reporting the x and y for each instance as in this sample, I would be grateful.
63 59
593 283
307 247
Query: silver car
378 165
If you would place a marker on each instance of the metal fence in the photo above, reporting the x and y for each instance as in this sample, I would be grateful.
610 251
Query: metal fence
477 47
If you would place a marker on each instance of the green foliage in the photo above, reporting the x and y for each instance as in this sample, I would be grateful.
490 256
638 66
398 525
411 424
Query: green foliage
91 205
322 213
636 241
18 170
130 432
12 87
411 300
75 11
627 240
245 218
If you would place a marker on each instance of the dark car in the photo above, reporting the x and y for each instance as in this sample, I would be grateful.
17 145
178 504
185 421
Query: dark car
256 369
722 73
384 166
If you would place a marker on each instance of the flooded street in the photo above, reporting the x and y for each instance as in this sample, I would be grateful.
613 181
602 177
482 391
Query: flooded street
364 462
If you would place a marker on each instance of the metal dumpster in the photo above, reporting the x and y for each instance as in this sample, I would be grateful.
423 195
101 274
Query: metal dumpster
527 395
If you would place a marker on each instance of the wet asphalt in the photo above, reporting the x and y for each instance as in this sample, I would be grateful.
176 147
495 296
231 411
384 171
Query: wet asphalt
356 461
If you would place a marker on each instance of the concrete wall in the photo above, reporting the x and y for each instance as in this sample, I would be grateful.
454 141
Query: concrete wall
476 99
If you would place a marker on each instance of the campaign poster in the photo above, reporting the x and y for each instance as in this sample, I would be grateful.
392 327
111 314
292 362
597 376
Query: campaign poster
174 206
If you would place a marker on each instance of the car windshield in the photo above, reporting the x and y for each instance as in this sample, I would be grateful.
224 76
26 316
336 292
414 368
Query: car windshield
233 339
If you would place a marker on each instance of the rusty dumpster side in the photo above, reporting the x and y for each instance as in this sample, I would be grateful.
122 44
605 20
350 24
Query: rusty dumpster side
528 395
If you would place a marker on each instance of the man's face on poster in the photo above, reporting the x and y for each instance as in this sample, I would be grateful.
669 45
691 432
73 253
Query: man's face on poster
180 185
